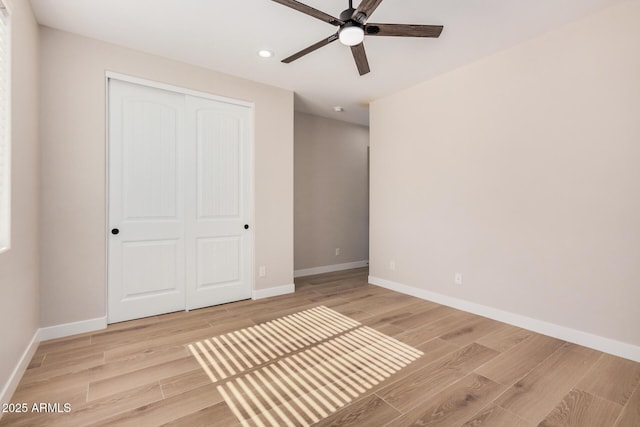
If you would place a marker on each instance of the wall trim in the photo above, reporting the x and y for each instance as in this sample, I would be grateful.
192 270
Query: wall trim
607 345
15 377
173 88
329 268
73 328
273 292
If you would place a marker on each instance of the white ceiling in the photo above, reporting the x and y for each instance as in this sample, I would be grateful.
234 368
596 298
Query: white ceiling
225 35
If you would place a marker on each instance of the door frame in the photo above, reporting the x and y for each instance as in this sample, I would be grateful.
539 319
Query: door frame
110 75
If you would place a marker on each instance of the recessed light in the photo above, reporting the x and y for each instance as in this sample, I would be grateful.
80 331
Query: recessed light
338 109
265 53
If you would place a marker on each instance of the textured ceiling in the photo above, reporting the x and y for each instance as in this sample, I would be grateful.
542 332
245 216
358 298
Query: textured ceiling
225 35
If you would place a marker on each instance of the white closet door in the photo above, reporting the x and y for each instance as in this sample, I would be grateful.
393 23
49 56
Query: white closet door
218 226
146 202
180 178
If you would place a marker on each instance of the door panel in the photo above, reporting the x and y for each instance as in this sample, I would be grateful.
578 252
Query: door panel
146 258
219 248
218 261
150 148
219 143
150 267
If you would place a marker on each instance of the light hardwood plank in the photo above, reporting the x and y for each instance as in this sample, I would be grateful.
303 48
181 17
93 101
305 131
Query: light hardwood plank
412 390
535 395
476 328
165 411
581 409
453 405
436 349
630 416
353 293
400 314
505 337
612 378
377 304
325 278
37 360
187 336
178 384
218 414
61 344
496 416
516 362
150 331
368 411
423 333
122 383
392 331
70 366
423 317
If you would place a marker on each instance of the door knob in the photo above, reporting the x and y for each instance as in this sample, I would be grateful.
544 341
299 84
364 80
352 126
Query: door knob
115 231
246 226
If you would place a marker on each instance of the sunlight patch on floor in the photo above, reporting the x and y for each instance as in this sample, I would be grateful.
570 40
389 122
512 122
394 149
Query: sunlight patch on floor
299 369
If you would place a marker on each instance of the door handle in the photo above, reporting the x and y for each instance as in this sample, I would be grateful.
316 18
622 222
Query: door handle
246 226
115 231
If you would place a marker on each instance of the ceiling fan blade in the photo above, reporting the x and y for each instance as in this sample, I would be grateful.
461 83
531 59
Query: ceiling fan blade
403 30
311 48
308 10
365 9
360 56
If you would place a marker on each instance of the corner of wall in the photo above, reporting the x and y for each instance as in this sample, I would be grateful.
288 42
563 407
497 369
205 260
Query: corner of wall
16 375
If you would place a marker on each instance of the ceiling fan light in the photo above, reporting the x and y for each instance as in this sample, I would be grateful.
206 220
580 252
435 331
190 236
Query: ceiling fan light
351 35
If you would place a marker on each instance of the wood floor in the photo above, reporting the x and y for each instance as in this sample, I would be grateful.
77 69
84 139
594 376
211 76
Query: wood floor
472 371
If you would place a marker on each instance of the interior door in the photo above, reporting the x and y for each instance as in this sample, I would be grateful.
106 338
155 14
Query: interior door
146 264
218 229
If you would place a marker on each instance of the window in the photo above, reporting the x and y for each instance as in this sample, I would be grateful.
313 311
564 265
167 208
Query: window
5 143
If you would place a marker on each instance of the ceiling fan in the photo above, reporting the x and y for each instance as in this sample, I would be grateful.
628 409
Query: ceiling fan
353 26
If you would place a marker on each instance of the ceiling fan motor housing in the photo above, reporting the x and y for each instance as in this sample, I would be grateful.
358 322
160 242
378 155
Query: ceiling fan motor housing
347 14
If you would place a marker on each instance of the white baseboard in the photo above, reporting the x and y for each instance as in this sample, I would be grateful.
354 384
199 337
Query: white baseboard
607 345
274 292
329 268
11 385
73 328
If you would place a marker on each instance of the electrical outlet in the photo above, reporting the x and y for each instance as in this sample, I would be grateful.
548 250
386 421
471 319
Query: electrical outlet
458 279
337 251
392 265
262 272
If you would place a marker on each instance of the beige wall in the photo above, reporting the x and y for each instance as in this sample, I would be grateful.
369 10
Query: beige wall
521 171
19 266
73 167
331 192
